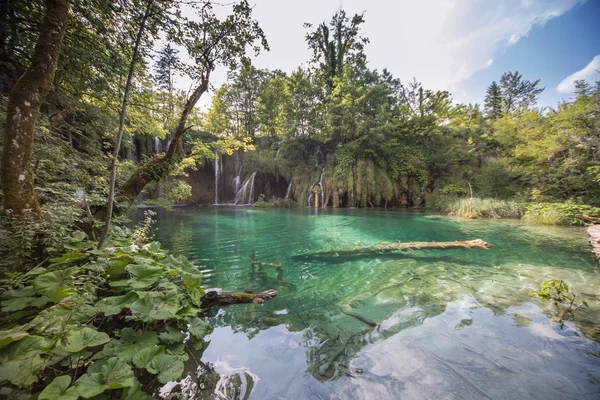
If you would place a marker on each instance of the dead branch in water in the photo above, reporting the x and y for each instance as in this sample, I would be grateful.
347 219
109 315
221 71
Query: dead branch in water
213 299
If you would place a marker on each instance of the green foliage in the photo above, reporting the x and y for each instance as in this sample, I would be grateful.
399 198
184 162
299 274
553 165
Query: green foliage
558 213
453 190
275 203
90 318
558 292
482 208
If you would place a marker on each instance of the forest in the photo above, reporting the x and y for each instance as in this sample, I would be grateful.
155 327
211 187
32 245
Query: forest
93 125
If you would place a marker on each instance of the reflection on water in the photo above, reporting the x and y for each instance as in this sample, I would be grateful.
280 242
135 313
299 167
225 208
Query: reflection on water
456 324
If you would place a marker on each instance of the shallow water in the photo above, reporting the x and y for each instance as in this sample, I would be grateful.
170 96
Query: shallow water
444 324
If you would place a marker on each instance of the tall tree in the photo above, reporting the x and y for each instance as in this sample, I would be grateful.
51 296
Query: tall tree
119 138
332 44
23 109
518 93
210 42
493 102
165 67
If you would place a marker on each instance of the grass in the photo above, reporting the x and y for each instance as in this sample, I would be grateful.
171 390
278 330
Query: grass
558 213
482 208
275 203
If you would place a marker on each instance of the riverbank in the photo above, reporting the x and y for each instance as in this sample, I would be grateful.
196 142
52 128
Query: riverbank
594 236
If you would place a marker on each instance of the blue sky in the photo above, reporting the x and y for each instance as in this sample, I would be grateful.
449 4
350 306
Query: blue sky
552 52
455 45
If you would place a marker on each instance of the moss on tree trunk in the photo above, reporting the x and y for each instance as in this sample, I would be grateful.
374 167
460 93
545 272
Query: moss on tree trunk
23 108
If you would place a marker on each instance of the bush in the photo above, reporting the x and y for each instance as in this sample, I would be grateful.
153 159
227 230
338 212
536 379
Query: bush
453 190
558 213
275 203
483 208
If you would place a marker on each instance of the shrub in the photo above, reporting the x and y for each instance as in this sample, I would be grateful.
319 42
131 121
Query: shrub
558 213
453 190
275 203
483 208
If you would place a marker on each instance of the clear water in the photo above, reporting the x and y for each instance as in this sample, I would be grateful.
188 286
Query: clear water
435 324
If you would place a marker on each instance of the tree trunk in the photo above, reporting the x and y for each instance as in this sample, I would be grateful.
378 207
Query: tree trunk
213 299
158 167
113 165
23 109
387 247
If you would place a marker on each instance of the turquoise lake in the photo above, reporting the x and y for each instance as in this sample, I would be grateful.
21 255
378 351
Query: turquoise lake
430 324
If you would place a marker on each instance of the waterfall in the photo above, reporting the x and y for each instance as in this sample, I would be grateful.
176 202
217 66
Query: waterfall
217 171
156 145
287 192
245 195
321 187
309 197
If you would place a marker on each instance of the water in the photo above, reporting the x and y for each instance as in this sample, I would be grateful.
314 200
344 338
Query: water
217 176
245 195
451 324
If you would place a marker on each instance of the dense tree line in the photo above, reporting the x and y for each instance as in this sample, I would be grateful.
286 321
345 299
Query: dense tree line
370 139
337 130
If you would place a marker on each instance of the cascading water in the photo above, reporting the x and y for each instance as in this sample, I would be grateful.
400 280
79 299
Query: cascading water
245 195
287 192
217 172
321 187
156 145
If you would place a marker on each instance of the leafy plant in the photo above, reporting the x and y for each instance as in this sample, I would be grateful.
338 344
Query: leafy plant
122 319
558 291
558 213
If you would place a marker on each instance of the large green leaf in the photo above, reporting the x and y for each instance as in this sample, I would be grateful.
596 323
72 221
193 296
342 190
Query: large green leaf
9 336
90 385
68 258
84 338
15 300
144 275
130 344
115 304
59 389
144 358
193 288
198 328
9 370
21 361
118 268
53 320
156 306
134 392
168 367
107 374
48 283
171 336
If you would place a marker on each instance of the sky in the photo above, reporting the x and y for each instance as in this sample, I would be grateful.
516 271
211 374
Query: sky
455 45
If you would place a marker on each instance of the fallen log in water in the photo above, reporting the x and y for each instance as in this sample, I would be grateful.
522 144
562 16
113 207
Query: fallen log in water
214 299
588 218
387 247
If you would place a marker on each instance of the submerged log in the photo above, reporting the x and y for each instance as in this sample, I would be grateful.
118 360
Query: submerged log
213 299
386 247
588 218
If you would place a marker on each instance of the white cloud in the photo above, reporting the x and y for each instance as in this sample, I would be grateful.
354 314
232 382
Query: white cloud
589 73
440 42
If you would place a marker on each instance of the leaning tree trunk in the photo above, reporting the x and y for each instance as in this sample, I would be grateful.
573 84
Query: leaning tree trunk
113 165
23 109
159 167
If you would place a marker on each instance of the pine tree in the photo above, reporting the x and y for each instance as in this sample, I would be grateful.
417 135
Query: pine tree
165 66
493 102
518 93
